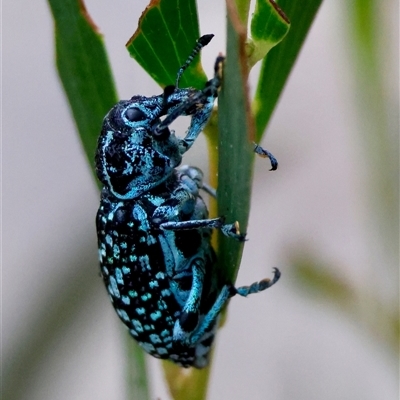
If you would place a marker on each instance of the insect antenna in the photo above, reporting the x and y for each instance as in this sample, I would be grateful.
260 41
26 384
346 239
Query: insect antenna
201 42
211 89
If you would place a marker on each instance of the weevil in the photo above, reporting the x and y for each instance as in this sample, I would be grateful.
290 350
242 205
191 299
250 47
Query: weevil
153 228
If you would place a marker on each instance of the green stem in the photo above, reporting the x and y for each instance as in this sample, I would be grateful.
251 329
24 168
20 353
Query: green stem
187 384
136 377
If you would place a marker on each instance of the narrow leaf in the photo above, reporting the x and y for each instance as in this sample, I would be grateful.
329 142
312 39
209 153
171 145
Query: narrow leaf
84 69
379 318
235 144
166 35
367 44
311 275
269 25
277 65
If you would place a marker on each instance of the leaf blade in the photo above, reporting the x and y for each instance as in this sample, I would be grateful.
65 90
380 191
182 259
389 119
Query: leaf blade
166 35
84 70
279 62
269 25
235 155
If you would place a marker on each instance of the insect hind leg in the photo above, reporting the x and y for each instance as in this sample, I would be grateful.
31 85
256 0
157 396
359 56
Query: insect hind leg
256 287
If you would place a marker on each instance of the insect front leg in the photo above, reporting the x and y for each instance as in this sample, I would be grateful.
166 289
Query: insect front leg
204 105
197 103
198 121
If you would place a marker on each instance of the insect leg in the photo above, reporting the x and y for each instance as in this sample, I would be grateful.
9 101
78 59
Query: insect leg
257 286
230 230
212 315
189 317
264 154
227 292
204 105
210 190
199 104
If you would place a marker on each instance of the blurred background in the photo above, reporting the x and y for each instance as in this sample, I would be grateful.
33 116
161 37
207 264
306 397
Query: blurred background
328 218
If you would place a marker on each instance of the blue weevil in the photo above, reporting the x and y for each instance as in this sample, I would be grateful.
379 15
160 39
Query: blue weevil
153 229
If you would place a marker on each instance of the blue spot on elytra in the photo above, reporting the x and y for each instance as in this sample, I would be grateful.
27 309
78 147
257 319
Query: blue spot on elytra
137 325
126 270
147 347
110 260
167 339
148 327
160 275
155 315
162 305
122 314
141 311
146 296
115 251
155 338
118 275
114 287
164 333
153 284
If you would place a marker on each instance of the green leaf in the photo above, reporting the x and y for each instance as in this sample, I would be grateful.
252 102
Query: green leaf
166 35
321 281
269 25
84 70
362 305
277 65
235 165
367 44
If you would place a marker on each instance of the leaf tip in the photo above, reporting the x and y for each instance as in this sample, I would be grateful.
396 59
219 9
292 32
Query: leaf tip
152 4
88 18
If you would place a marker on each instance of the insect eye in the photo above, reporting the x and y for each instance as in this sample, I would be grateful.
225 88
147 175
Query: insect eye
134 115
161 135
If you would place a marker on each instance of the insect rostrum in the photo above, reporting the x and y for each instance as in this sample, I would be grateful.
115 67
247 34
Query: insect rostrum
153 229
